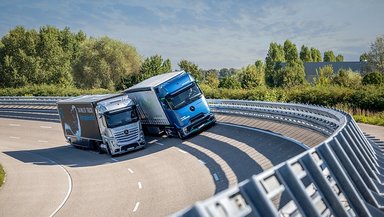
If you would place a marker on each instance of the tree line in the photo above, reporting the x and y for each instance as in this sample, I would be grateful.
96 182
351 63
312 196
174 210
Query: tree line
50 56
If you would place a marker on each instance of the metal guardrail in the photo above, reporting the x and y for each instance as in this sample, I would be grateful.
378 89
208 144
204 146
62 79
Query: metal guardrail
342 176
30 108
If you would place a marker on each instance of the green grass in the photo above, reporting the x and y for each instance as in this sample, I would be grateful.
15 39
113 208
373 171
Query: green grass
374 120
2 175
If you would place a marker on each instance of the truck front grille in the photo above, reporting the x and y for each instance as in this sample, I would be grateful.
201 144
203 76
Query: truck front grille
132 136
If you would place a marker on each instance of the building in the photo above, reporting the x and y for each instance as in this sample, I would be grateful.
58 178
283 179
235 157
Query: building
311 67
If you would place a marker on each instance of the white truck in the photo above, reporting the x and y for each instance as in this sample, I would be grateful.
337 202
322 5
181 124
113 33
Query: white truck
103 122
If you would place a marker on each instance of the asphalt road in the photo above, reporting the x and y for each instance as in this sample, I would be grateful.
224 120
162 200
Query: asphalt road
46 177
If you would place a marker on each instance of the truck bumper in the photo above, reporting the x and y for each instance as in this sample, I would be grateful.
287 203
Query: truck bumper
199 125
130 147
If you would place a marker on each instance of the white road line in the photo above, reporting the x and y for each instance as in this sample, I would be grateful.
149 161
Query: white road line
153 141
140 186
202 162
46 127
14 125
216 177
14 137
160 143
69 185
136 207
131 171
182 151
114 159
269 133
42 141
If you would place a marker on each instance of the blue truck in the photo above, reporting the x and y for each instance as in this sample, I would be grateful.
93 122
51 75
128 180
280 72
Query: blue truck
172 103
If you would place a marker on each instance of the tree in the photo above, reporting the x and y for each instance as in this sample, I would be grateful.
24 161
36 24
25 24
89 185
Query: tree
252 76
329 56
316 55
191 68
154 65
44 57
224 72
324 76
211 78
19 64
364 57
290 51
376 55
104 63
305 54
347 78
230 82
55 61
293 73
273 62
339 58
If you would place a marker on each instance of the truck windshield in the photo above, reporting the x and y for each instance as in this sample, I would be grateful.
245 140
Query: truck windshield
183 97
121 118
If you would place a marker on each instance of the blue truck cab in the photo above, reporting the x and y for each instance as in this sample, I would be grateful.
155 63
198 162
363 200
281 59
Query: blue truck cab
171 102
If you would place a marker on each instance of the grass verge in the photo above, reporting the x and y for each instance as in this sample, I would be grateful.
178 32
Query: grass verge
2 175
373 120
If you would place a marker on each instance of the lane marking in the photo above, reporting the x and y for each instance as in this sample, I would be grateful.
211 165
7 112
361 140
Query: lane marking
136 207
69 179
114 159
216 177
131 171
42 141
46 127
139 184
202 162
182 151
14 137
269 133
153 141
14 125
160 143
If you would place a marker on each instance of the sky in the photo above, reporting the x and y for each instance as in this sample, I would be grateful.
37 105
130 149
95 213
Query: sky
213 34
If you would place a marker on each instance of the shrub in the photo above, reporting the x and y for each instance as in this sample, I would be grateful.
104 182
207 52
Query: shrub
347 78
49 90
373 78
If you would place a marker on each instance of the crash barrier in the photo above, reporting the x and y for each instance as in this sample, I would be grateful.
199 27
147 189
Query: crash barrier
30 108
342 176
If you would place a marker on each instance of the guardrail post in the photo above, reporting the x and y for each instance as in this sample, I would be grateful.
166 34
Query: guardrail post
296 188
258 198
343 181
319 180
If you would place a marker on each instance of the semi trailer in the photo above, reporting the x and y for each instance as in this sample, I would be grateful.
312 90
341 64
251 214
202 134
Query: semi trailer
106 123
172 103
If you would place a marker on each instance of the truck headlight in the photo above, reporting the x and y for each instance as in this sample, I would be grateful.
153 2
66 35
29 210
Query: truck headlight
185 130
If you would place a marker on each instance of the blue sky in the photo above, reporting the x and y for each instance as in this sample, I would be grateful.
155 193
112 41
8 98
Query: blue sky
212 34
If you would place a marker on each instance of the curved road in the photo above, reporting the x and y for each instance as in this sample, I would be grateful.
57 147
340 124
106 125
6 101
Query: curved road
47 177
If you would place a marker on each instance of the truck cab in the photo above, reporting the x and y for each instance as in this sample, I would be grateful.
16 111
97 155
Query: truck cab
171 102
120 126
185 105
